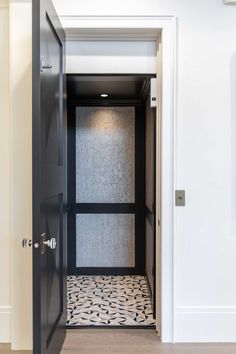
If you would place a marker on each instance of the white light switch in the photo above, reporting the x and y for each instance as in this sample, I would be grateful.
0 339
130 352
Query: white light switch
179 198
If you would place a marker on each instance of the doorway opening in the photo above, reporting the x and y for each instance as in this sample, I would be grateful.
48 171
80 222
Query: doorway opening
111 201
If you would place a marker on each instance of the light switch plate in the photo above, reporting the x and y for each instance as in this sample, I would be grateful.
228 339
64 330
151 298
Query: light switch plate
230 2
179 198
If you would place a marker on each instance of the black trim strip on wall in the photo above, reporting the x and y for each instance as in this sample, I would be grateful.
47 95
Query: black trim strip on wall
71 188
105 208
107 103
73 76
154 209
137 327
108 271
140 187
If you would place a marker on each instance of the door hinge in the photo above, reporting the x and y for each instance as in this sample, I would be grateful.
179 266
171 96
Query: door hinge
44 65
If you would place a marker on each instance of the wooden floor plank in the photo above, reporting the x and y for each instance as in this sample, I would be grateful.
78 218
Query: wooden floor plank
129 341
6 349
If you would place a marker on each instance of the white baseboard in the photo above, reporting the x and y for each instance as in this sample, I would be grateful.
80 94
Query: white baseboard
205 324
5 324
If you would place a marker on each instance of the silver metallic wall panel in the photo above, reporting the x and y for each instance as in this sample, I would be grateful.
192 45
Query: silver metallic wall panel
105 240
105 155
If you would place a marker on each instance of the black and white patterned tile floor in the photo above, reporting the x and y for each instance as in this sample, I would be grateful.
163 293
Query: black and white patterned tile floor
108 300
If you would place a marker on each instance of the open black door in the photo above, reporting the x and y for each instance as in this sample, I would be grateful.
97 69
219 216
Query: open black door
49 181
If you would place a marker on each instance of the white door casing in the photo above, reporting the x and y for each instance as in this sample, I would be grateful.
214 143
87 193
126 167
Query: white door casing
163 30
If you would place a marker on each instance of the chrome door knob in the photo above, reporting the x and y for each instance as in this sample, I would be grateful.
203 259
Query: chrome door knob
52 243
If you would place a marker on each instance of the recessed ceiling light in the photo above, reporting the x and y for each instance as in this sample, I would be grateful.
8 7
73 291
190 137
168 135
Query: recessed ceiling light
103 95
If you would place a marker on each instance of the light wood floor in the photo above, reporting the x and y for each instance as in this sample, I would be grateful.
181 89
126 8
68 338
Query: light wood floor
6 349
111 341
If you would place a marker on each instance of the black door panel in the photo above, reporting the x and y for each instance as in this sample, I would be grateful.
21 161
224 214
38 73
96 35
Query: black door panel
49 181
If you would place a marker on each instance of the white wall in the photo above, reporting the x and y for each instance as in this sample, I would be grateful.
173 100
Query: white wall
205 165
109 57
5 191
21 172
16 173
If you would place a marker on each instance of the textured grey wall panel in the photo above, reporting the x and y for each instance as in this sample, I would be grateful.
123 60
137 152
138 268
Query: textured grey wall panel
105 154
105 240
149 157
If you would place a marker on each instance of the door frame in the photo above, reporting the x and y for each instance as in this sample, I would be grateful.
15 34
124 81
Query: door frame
75 208
163 29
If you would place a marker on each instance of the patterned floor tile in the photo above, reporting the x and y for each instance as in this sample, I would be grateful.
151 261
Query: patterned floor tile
108 300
